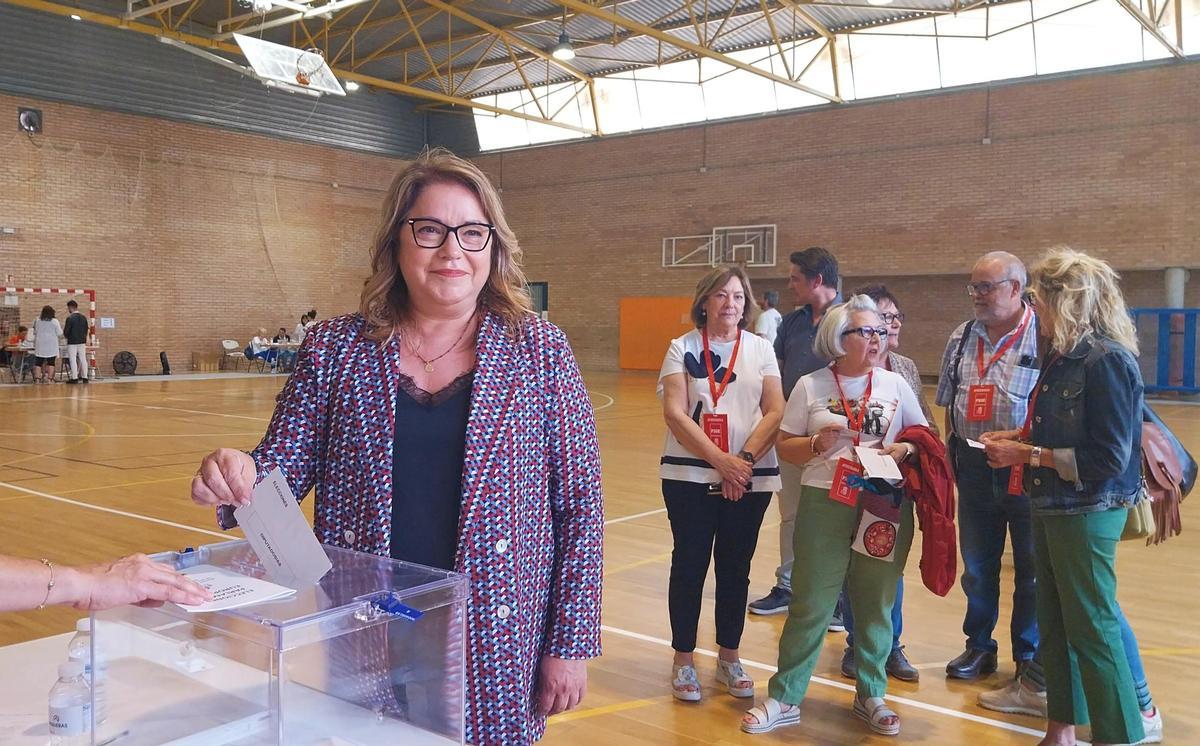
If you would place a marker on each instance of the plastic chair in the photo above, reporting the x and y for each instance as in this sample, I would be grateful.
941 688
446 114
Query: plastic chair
232 351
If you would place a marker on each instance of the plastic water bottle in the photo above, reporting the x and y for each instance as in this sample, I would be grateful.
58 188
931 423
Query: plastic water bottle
70 707
80 650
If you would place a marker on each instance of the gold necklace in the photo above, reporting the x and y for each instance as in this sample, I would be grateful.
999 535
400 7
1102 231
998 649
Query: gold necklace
429 363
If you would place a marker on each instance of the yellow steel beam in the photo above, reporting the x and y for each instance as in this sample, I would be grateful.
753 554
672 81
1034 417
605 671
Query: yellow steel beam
104 19
806 15
510 39
583 8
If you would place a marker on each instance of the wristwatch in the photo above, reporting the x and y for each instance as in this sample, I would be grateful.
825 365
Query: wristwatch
1035 457
746 456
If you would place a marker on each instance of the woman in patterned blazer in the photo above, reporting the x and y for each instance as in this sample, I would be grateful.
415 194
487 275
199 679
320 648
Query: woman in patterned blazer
446 424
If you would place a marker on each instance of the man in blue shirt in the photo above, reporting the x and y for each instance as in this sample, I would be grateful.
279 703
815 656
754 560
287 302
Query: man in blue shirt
814 280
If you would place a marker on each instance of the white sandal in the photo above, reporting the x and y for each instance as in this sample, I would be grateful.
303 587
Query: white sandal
733 676
874 710
771 715
685 676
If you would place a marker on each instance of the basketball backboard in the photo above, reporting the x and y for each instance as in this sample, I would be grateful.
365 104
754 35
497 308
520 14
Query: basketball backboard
289 67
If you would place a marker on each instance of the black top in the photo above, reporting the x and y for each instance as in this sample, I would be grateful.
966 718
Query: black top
427 464
76 329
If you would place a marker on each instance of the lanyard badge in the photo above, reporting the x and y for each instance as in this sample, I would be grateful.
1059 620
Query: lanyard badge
716 426
981 397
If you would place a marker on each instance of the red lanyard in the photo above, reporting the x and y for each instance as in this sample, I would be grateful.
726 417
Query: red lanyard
1033 397
862 409
717 393
1008 343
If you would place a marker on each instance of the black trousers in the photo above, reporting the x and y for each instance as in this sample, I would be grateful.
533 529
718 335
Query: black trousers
707 526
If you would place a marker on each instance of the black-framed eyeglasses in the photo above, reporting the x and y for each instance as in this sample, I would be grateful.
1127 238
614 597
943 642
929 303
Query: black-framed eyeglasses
889 317
976 289
431 234
866 332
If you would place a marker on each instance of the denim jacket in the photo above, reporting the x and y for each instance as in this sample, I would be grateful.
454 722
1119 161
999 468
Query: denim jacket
1089 411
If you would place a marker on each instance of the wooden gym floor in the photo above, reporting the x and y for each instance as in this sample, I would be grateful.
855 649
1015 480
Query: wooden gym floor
88 473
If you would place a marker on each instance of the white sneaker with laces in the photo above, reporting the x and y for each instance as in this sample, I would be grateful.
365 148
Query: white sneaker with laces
1016 698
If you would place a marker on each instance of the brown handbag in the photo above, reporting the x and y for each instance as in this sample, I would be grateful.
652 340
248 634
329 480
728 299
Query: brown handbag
1163 482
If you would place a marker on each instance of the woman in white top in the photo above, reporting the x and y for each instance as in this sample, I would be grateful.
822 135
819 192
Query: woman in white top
722 402
849 403
46 334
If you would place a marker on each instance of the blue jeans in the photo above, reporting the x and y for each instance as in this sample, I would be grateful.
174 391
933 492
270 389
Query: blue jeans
986 513
897 615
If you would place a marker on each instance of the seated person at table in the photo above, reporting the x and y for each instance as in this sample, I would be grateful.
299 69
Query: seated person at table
260 347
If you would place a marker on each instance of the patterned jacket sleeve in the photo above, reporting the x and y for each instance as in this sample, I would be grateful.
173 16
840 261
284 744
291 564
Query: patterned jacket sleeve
577 510
295 439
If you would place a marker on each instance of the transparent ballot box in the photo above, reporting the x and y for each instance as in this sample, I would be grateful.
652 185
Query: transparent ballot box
372 654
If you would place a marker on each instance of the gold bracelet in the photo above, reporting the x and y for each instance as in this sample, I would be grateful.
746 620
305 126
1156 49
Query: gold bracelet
49 585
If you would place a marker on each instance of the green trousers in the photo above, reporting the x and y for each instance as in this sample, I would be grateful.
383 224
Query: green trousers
824 532
1081 648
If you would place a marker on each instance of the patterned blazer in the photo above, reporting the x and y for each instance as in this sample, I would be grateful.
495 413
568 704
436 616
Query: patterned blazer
532 518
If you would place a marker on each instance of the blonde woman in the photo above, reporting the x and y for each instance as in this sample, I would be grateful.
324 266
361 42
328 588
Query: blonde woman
446 424
722 402
1079 455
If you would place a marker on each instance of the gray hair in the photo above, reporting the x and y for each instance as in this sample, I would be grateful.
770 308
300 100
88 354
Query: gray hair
1014 268
827 342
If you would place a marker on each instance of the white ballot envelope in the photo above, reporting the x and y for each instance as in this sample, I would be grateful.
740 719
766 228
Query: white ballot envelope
231 590
975 444
876 465
280 535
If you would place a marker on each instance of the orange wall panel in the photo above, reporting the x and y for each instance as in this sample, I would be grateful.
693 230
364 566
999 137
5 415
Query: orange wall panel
648 325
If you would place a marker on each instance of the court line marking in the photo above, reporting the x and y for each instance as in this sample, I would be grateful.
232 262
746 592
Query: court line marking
622 519
611 400
591 712
177 409
114 511
86 437
937 709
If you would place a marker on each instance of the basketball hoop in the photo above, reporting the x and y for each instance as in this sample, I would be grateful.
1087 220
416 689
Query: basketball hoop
308 64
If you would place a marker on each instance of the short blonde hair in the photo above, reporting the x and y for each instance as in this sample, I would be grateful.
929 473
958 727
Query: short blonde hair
385 298
827 342
1083 295
715 279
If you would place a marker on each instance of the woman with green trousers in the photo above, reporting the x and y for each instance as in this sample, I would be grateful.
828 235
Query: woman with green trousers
845 530
1079 460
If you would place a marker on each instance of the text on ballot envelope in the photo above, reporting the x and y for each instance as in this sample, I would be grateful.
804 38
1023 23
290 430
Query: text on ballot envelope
280 535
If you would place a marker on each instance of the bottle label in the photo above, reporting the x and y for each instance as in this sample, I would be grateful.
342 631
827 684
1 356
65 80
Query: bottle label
72 720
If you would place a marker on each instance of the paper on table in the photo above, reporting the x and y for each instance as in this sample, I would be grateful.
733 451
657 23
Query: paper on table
280 535
231 590
876 465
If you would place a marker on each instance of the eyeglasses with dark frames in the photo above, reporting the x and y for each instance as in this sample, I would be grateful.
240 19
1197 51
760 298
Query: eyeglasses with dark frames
976 289
889 317
866 332
431 234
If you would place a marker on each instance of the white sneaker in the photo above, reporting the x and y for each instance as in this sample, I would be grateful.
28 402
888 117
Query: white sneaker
1016 698
1153 726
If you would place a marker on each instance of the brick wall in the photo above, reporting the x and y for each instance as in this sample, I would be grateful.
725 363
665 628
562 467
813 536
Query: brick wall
902 190
188 234
191 234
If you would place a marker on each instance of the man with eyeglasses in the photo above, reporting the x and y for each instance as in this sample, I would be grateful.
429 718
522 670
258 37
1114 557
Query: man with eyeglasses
988 369
814 281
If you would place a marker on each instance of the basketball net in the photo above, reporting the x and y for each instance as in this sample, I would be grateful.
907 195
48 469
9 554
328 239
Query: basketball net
308 64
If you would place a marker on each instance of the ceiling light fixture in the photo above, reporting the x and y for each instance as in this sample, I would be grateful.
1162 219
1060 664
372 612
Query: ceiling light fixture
879 2
76 17
352 85
563 51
